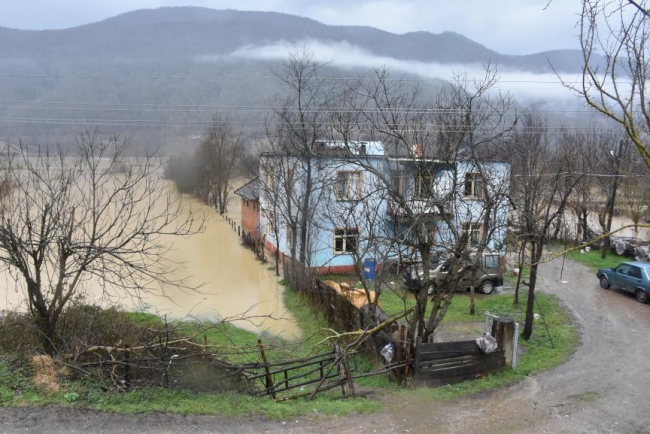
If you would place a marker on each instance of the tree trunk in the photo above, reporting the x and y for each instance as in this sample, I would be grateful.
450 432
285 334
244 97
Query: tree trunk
304 221
47 333
537 248
520 264
584 223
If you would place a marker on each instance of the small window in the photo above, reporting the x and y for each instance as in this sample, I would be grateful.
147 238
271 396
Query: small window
349 185
424 185
473 185
398 182
492 261
635 272
346 240
623 269
473 232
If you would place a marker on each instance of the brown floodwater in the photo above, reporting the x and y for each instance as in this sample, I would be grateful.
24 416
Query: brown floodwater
235 284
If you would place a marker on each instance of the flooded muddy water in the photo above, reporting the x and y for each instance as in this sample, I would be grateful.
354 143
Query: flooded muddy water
235 284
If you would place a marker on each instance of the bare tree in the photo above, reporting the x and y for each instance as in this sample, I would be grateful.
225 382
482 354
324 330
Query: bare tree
583 200
445 199
299 122
216 159
635 197
612 162
93 215
613 37
543 180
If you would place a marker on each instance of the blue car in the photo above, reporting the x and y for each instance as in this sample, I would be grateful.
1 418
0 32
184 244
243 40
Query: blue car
633 276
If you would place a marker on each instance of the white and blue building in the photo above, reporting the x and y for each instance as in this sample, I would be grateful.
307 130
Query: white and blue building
365 203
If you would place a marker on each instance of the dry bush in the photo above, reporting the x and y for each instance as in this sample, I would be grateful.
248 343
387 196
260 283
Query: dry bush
80 326
124 350
83 326
18 335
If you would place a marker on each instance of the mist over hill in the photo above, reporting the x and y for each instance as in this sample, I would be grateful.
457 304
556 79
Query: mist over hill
159 75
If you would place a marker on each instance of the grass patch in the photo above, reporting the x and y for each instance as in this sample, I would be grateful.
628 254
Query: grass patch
17 387
539 355
511 277
593 260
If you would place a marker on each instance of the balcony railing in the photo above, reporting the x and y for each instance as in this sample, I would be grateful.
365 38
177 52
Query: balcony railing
417 207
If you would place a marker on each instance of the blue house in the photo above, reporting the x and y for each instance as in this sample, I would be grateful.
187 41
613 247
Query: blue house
363 203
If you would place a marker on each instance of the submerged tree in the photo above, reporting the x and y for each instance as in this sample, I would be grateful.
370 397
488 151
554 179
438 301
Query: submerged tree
216 159
72 219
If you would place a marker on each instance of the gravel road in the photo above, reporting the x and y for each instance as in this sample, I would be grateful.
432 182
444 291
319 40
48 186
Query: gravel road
603 388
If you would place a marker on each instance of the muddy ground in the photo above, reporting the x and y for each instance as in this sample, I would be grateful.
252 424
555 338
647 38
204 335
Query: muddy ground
603 388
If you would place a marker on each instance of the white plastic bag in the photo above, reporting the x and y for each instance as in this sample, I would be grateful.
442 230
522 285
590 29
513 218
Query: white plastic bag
387 352
487 343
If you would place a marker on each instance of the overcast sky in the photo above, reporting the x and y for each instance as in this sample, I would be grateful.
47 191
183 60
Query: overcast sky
508 26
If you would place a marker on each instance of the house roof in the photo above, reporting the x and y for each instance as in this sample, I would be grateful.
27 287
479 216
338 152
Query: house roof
250 190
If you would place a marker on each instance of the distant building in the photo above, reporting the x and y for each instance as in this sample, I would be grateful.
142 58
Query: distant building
250 206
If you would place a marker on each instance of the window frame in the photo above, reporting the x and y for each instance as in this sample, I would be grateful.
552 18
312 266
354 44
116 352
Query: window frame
346 176
398 180
473 186
420 180
345 234
472 228
637 270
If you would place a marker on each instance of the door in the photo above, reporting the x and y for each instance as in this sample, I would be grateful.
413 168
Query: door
634 279
619 276
467 275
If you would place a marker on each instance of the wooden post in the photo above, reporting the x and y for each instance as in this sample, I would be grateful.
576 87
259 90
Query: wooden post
269 379
400 355
503 329
343 367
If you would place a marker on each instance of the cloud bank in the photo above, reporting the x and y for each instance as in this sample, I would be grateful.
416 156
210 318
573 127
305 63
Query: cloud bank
521 84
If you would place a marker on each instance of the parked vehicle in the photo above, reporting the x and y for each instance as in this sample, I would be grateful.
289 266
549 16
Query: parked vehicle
487 276
632 276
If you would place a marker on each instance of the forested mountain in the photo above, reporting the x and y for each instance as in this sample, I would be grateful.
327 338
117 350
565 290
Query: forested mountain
136 73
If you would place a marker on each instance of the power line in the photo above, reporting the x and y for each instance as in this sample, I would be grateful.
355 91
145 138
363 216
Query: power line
400 128
270 110
241 78
202 108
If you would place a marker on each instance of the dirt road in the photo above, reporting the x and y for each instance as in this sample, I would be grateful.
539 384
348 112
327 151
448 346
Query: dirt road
603 388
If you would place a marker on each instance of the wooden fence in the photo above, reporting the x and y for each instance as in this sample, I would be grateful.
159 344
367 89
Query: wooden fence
329 370
339 313
443 363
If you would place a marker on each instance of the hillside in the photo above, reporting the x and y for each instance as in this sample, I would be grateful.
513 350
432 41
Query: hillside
52 79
